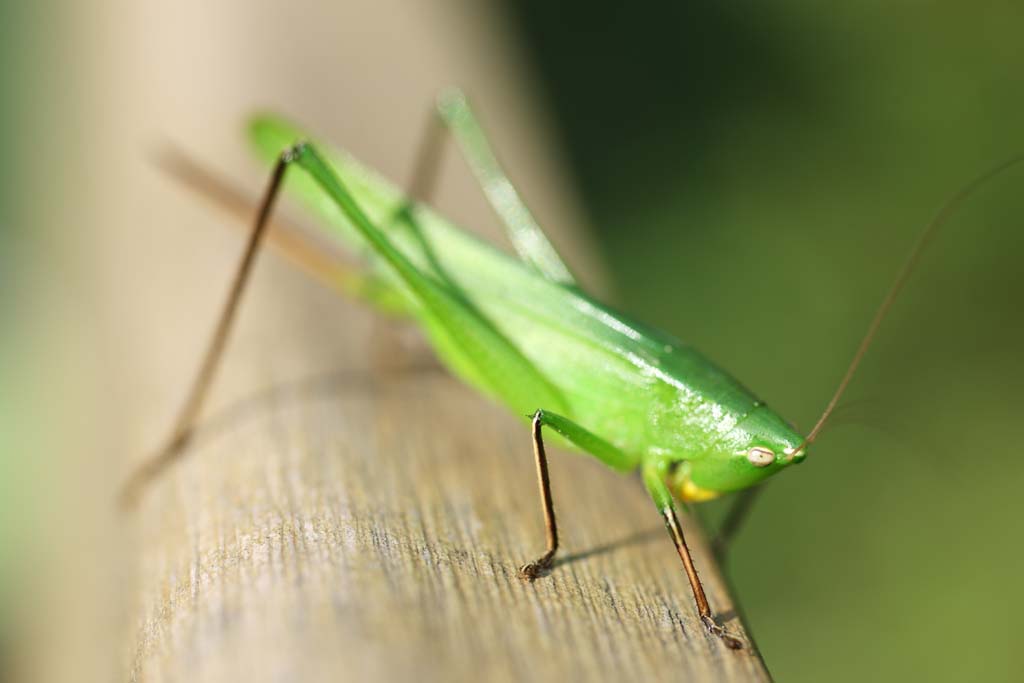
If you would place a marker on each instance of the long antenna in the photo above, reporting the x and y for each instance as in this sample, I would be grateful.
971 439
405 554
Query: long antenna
947 210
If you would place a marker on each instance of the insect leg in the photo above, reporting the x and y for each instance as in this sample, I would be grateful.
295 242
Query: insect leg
655 482
427 163
587 441
182 428
526 236
738 513
315 259
532 570
489 353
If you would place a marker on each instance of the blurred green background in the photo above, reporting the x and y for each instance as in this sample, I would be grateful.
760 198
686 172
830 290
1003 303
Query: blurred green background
756 172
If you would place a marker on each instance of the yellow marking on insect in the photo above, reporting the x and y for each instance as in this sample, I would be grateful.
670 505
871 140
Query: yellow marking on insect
691 493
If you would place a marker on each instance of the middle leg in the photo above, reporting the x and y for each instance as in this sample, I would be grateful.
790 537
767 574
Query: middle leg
585 441
532 570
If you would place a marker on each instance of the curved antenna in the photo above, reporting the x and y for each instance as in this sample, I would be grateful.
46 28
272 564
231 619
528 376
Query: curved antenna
947 209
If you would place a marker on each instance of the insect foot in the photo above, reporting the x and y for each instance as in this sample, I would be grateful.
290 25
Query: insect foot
731 641
535 570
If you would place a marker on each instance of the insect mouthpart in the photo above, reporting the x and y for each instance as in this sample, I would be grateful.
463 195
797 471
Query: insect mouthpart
794 454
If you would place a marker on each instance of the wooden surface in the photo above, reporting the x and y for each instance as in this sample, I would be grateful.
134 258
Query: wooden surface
372 527
367 525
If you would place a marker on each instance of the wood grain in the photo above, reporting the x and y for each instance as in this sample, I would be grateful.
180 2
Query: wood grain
367 525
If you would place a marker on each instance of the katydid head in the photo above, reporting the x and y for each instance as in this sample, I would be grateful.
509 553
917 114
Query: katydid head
759 445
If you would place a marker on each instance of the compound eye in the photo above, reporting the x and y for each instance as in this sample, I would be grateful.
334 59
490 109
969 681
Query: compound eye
760 457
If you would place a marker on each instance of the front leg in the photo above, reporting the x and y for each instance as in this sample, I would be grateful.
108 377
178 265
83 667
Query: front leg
655 482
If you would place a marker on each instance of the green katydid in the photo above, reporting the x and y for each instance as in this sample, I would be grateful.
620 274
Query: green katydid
522 332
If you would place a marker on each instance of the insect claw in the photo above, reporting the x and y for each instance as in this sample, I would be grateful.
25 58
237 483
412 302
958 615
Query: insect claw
731 641
535 570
